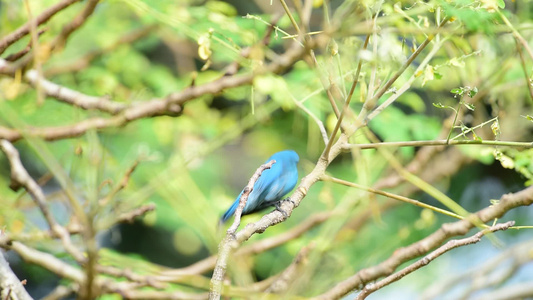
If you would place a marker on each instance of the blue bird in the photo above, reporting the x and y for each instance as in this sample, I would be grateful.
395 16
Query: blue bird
272 185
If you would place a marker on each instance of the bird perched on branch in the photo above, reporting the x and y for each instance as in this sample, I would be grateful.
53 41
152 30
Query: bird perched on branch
272 185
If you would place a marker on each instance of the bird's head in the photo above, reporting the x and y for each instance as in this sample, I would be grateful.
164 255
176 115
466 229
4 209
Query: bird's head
285 156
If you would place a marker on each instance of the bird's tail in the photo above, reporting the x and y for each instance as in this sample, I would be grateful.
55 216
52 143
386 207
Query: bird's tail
229 212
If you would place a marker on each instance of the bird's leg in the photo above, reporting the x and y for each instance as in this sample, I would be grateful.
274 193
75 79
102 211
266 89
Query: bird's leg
278 206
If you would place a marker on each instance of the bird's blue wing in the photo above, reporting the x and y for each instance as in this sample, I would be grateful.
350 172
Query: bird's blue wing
268 181
273 184
284 184
261 188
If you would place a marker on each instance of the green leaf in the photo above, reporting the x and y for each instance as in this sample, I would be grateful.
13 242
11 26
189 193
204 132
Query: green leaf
472 92
501 4
470 106
528 117
457 91
476 137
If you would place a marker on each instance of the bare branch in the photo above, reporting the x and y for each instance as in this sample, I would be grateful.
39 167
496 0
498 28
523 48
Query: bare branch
506 203
49 262
128 217
171 105
229 241
526 145
78 21
16 35
21 53
20 177
10 286
370 288
121 185
261 246
490 273
73 97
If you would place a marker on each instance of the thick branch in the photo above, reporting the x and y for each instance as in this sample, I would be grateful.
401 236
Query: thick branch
171 105
73 97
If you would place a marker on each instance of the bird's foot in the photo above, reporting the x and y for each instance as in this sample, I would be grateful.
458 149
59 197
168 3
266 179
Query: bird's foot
278 206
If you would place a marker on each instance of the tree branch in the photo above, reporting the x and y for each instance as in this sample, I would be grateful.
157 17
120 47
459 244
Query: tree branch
16 35
10 286
171 105
348 147
506 203
260 246
229 241
370 288
20 177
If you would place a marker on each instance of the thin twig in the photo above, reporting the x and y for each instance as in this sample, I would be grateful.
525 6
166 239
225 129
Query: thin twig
129 217
488 273
73 97
121 185
527 145
529 83
76 23
371 103
392 196
40 19
289 14
318 122
49 262
21 53
346 106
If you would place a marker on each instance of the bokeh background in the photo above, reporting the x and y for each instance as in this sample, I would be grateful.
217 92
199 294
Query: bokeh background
192 166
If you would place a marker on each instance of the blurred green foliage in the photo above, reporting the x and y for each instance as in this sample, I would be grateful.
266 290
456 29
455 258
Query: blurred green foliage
193 166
